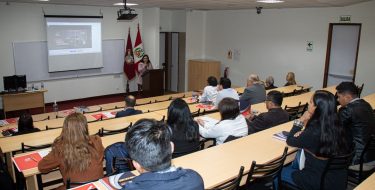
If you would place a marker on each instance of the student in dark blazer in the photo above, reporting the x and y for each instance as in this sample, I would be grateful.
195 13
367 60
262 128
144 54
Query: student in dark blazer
129 107
254 93
275 115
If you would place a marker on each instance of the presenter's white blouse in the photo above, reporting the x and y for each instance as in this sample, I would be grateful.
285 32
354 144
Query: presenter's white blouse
236 127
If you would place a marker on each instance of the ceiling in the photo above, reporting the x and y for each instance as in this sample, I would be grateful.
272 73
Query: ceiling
202 4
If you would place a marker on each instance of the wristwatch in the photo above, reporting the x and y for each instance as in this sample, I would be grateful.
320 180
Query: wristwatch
298 123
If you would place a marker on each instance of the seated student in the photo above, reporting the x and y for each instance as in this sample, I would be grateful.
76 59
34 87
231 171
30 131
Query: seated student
254 93
232 122
150 147
129 107
269 84
78 155
225 90
356 115
320 135
185 131
275 115
25 125
210 91
290 79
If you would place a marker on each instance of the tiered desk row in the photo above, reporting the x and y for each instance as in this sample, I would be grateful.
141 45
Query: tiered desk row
216 165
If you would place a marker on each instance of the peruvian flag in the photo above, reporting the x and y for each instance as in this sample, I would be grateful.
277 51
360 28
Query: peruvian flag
129 68
138 49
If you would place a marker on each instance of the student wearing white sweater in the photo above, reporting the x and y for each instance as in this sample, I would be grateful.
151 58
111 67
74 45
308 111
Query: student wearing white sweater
232 122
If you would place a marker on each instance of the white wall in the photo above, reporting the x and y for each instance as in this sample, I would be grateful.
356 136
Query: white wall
165 20
151 33
274 42
172 21
25 22
195 38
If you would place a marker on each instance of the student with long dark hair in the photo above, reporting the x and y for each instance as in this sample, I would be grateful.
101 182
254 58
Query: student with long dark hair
25 124
232 123
185 131
320 135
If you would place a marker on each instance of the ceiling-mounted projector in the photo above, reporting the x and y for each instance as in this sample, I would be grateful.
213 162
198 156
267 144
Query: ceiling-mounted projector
126 13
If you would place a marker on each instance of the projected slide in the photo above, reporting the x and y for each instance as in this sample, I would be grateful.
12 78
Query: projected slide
74 43
71 37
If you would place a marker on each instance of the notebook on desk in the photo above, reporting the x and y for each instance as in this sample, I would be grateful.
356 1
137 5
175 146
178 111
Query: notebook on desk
30 161
89 186
281 135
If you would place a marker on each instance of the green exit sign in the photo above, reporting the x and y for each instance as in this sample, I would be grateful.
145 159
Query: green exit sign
345 18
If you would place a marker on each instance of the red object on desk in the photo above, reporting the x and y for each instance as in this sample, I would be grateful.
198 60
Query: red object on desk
27 161
209 107
98 116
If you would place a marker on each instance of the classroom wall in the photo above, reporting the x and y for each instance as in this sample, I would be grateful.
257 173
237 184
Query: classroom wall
22 22
172 21
195 38
274 42
151 34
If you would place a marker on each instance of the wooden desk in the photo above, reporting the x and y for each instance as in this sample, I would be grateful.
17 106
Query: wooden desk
25 100
217 164
368 184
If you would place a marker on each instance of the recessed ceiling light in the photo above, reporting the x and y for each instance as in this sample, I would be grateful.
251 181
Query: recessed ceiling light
127 4
270 1
42 0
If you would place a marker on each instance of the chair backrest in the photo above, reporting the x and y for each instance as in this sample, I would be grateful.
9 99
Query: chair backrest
360 88
163 119
205 112
232 184
70 184
144 103
115 151
369 147
28 148
288 94
199 146
105 132
45 119
196 113
296 112
334 164
231 138
267 171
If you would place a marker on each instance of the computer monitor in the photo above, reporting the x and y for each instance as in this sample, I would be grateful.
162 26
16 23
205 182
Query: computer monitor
15 83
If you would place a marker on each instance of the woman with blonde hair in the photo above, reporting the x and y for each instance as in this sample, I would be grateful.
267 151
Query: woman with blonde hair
290 79
78 155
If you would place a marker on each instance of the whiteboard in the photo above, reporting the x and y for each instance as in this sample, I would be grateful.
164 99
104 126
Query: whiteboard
31 59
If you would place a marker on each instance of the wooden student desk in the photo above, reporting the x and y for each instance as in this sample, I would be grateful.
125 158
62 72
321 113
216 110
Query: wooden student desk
217 164
24 100
368 184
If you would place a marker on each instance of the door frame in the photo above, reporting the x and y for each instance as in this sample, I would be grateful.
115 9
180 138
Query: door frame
328 54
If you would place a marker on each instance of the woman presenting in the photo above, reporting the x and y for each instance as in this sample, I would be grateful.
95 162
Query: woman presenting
143 67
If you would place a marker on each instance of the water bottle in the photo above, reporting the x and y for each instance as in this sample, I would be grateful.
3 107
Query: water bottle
32 87
42 85
55 107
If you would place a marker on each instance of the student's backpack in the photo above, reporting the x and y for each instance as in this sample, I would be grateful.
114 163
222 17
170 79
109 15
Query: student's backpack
118 151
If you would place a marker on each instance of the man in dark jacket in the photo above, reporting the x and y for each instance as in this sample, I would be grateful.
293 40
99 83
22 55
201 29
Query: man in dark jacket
129 107
149 145
356 115
275 115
